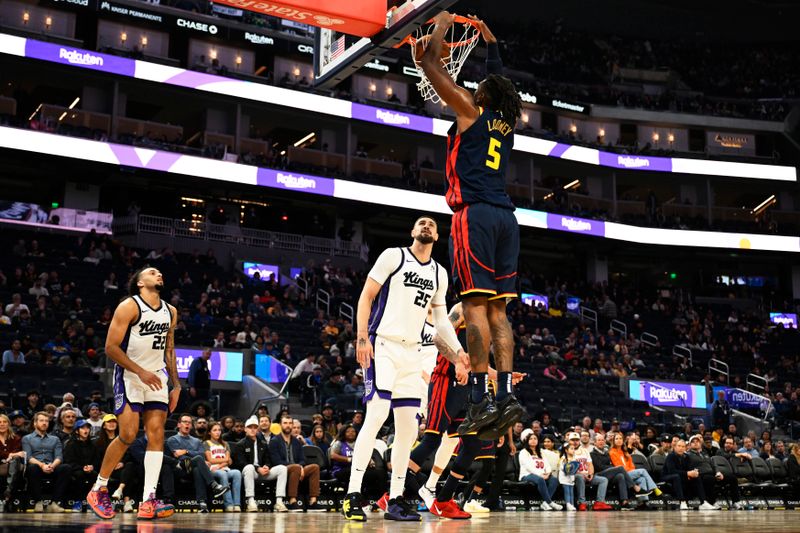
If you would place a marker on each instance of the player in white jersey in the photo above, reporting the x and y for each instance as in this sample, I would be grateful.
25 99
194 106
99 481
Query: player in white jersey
402 285
429 353
141 343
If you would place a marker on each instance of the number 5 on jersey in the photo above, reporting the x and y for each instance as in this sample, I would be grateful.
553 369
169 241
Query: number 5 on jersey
494 156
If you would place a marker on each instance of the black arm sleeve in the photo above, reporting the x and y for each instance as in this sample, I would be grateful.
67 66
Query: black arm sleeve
494 65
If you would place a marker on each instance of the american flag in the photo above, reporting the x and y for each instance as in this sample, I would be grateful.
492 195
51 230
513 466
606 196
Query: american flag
337 47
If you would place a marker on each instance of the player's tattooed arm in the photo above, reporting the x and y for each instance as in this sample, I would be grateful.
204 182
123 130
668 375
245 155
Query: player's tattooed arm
456 317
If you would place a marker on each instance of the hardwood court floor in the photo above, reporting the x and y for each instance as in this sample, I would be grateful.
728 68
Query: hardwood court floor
511 522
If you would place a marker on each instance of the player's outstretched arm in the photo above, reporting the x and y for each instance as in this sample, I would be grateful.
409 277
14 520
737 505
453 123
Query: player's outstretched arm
172 362
363 344
124 316
458 98
456 317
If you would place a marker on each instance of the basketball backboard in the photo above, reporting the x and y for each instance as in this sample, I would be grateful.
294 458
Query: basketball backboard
337 55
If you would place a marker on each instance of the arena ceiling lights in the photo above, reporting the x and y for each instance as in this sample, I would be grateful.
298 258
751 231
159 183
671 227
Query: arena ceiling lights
200 167
22 47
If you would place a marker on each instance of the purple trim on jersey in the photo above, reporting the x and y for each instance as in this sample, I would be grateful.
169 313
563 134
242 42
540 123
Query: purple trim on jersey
406 402
379 305
156 406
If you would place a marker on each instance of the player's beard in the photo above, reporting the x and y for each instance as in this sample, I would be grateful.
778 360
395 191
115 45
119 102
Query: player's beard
424 238
158 287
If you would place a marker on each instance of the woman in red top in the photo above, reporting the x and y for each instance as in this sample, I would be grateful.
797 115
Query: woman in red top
12 458
621 457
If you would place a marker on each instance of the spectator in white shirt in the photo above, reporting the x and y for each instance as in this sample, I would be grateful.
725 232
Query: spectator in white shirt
534 470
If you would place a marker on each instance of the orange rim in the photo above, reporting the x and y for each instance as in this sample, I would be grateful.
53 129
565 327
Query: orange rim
411 40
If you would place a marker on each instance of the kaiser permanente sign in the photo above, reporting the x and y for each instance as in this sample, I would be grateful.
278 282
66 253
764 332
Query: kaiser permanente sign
213 84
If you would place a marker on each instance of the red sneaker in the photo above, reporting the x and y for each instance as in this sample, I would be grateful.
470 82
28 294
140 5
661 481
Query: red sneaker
100 503
601 506
581 507
383 503
448 509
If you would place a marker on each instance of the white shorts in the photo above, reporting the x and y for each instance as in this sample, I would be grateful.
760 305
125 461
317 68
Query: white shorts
428 366
129 389
395 373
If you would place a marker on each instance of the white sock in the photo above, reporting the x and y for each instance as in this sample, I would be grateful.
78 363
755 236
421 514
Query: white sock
100 482
377 411
405 423
152 469
443 454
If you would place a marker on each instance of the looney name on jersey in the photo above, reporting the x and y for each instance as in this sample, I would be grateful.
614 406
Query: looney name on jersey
151 327
412 279
499 125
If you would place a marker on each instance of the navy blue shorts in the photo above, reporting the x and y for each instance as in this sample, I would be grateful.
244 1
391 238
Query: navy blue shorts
484 250
447 405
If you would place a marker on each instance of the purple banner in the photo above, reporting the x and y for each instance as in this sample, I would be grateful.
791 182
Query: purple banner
635 162
390 117
79 58
576 225
294 181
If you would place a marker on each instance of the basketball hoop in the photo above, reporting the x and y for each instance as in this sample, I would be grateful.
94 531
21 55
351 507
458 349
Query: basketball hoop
458 42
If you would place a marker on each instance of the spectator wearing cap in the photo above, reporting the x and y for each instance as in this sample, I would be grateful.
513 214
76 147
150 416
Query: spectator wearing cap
13 355
80 454
12 459
333 387
33 404
356 385
329 420
534 470
288 451
19 423
709 475
95 419
683 477
45 458
664 445
586 474
251 456
200 377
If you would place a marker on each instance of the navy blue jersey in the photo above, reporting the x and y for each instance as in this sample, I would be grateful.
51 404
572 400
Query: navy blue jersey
477 160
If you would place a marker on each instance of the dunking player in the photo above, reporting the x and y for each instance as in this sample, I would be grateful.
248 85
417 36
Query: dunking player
402 285
141 342
484 237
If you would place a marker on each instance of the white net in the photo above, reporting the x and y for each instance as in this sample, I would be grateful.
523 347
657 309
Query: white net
459 41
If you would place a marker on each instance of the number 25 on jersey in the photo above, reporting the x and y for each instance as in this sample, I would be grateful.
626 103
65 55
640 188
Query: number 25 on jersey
494 155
